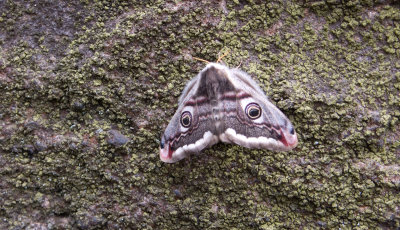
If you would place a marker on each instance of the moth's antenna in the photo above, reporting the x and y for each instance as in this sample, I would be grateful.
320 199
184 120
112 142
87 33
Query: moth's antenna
239 64
220 58
199 59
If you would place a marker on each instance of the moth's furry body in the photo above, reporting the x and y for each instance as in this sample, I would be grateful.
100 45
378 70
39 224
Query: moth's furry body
222 104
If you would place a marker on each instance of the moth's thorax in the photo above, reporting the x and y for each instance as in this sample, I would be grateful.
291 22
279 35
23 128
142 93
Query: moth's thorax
214 85
217 66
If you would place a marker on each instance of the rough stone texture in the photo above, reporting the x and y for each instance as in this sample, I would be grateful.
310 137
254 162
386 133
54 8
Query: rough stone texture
116 138
71 71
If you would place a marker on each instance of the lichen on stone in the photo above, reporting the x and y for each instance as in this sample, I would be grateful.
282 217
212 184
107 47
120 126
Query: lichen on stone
72 73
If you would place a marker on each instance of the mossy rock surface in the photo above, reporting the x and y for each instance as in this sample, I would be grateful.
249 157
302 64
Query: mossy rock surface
87 88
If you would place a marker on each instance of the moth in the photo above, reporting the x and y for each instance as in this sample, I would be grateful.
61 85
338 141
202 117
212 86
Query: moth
223 104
